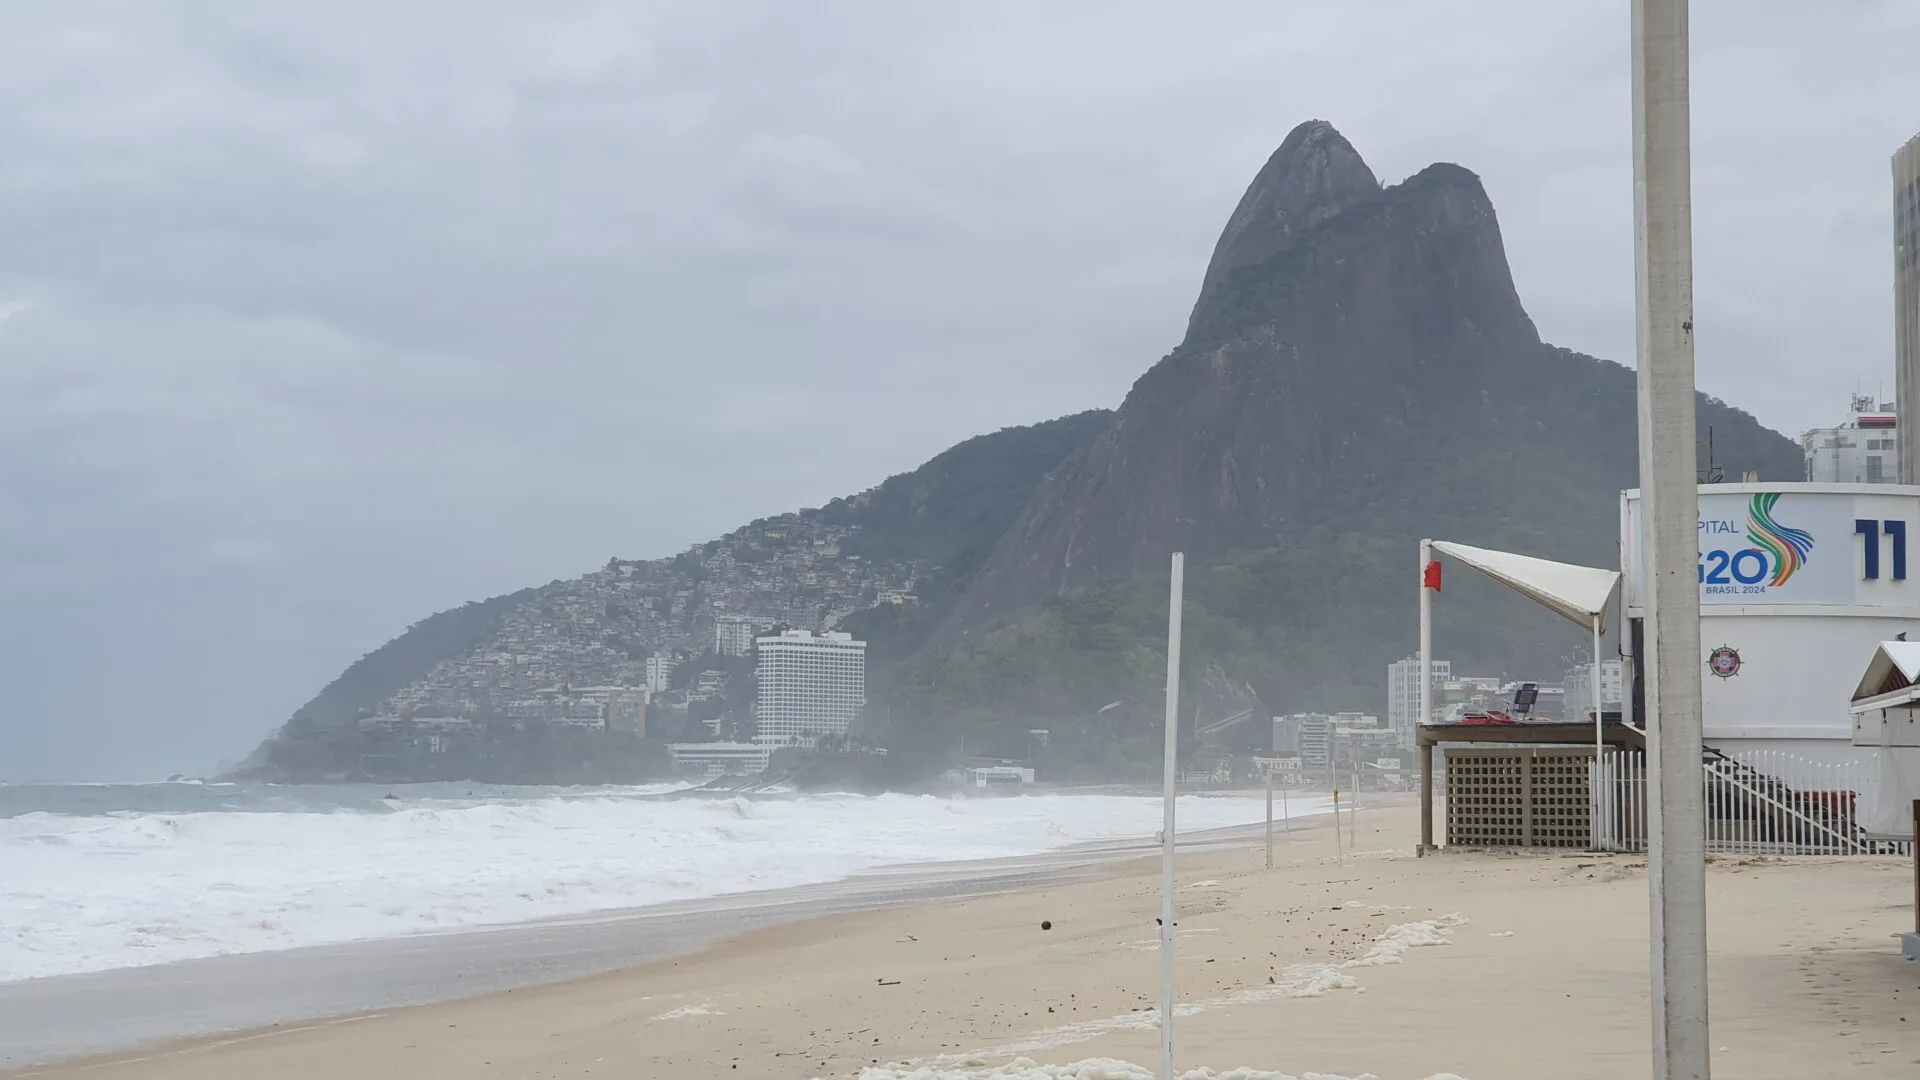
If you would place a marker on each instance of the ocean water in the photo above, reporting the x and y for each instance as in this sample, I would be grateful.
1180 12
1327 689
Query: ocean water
94 877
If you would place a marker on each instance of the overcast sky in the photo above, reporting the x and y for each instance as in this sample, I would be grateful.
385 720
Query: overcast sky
318 318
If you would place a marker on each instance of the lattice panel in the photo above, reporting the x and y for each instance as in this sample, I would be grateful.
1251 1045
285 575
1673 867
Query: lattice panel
1558 797
1518 797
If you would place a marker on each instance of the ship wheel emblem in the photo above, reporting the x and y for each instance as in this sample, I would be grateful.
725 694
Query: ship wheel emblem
1724 661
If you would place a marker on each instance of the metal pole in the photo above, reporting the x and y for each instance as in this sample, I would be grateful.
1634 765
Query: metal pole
1285 814
1337 854
1353 811
1663 248
1426 798
1174 602
1599 729
1269 819
1426 699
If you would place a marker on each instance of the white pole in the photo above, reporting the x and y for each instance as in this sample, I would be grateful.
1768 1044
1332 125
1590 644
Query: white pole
1269 819
1174 602
1663 243
1426 692
1285 814
1599 729
1337 853
1353 811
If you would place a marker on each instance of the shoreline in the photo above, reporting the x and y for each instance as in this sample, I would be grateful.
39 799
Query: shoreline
1463 966
57 1019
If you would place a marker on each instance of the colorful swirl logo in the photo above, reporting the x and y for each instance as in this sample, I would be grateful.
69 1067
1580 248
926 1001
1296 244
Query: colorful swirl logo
1788 547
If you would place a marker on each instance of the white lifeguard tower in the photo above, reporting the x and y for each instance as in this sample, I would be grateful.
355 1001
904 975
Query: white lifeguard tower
1886 719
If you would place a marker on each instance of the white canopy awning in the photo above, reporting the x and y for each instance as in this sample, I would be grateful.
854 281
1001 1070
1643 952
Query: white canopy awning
1578 593
1893 672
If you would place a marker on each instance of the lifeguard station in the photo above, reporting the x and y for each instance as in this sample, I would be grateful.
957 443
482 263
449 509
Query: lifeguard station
1886 718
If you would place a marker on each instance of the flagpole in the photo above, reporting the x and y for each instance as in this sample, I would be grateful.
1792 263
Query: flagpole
1168 776
1426 698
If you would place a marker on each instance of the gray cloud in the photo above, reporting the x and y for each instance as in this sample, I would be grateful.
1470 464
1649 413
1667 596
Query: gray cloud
316 319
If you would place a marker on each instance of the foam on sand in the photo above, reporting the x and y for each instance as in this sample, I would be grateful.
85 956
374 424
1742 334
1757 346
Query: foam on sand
1392 946
1295 981
1090 1069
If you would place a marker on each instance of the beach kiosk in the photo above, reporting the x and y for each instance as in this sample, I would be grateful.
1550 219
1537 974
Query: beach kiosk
1886 718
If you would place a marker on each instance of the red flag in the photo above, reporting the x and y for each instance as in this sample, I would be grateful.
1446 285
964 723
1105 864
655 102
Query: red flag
1432 577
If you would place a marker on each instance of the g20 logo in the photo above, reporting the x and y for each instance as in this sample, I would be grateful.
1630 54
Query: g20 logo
1778 551
1749 566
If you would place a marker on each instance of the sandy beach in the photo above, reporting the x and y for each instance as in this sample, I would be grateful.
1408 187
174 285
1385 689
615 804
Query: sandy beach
1487 967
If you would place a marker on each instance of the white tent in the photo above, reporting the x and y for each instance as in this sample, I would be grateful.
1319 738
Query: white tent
1886 717
1580 594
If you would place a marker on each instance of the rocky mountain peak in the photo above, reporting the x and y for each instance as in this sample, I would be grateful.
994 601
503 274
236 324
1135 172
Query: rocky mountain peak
1342 332
1315 174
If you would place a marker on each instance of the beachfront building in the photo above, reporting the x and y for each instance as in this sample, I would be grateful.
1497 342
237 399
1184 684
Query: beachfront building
810 686
710 759
1403 693
1906 300
1863 449
1797 582
1307 735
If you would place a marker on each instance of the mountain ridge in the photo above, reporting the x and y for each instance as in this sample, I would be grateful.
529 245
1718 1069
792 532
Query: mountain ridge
1358 372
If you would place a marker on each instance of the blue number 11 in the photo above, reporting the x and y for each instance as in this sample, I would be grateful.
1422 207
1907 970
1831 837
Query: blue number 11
1869 530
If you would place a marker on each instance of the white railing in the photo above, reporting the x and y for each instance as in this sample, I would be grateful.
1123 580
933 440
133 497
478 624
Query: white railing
1758 802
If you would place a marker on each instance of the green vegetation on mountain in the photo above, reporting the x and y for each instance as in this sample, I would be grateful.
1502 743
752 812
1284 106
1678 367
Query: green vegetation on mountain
954 508
386 670
1313 623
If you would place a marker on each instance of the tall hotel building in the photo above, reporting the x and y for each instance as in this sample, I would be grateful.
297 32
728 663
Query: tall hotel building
810 686
1906 302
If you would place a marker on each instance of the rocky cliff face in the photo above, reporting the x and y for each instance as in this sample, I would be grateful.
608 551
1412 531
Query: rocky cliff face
1348 340
1337 323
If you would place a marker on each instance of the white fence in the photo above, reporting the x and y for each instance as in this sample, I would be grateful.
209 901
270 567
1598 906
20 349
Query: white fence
1763 802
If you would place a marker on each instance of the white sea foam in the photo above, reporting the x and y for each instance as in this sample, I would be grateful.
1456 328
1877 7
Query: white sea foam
85 893
1392 946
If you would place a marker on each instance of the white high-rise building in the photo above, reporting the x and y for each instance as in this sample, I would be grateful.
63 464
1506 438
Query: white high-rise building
809 686
1863 450
1579 687
1314 731
660 672
1906 300
1403 693
733 634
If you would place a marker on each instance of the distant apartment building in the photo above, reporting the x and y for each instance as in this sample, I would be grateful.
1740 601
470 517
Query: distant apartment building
733 634
660 670
1863 449
623 707
810 686
1310 734
1906 300
1403 693
1579 689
